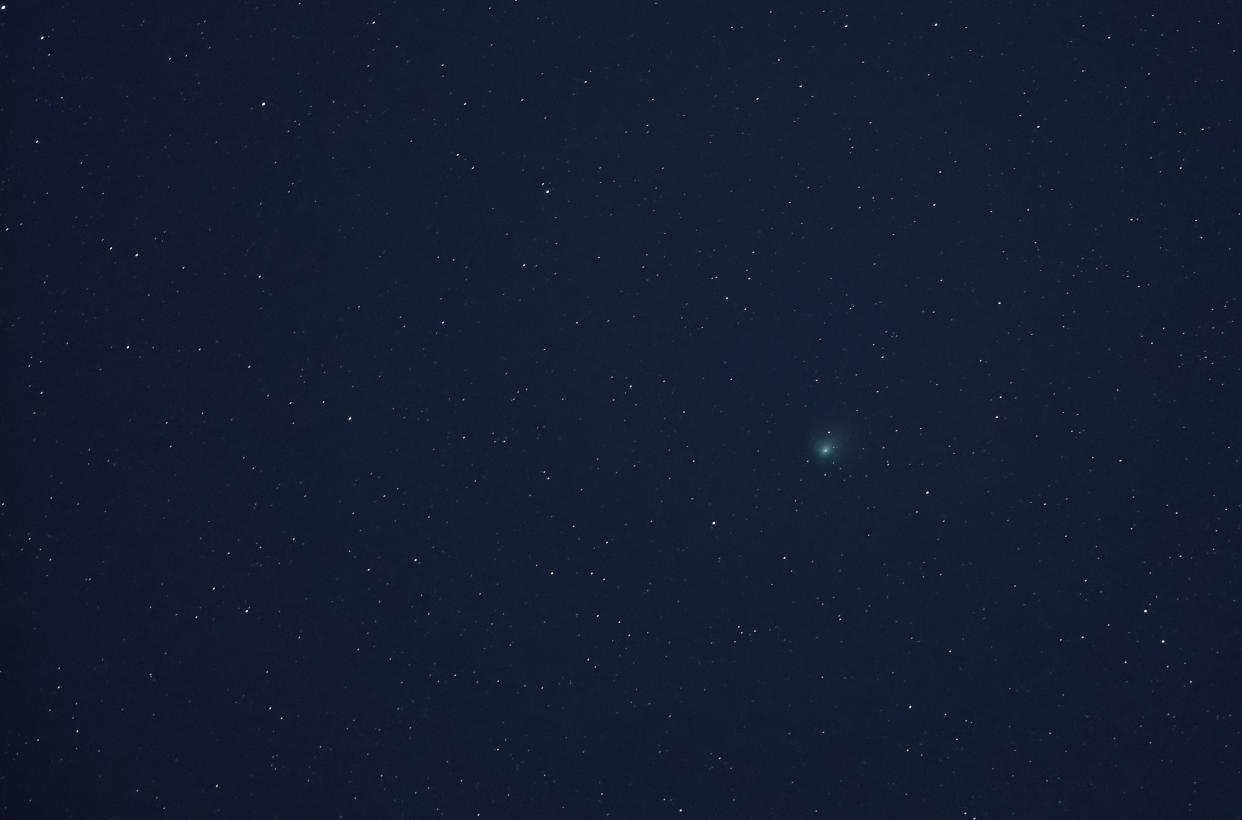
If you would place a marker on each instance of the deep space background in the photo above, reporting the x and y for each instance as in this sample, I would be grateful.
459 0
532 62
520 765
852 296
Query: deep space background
637 409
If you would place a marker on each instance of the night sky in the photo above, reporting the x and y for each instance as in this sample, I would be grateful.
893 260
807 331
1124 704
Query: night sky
621 410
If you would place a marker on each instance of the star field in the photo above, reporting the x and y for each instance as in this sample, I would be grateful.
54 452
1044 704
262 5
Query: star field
637 410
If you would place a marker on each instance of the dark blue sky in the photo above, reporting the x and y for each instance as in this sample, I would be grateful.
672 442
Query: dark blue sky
416 411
